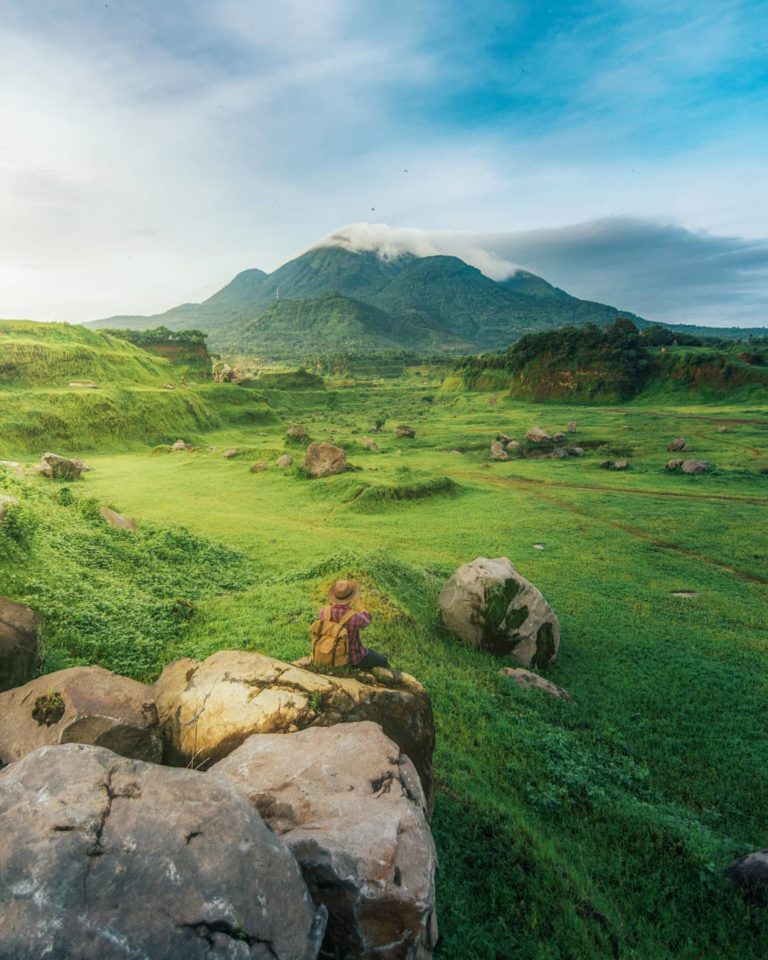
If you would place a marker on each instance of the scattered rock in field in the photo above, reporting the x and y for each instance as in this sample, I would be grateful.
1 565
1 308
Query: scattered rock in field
128 859
676 445
697 466
559 453
539 546
356 822
489 605
82 385
324 460
537 435
119 520
258 467
503 438
559 438
285 461
181 445
80 705
297 433
456 452
60 468
572 427
722 429
5 503
513 445
370 444
209 707
231 453
576 451
403 430
532 681
684 593
169 386
19 644
498 452
750 874
14 467
615 464
674 464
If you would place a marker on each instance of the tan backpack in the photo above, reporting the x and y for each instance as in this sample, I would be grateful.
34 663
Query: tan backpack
330 641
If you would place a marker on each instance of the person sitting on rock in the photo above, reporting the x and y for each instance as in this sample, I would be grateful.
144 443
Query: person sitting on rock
344 595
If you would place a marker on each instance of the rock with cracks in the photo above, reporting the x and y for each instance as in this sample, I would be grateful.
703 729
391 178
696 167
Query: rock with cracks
80 705
324 460
489 605
19 646
208 708
106 858
350 806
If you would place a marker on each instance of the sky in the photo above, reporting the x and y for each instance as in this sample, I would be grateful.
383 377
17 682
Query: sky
149 152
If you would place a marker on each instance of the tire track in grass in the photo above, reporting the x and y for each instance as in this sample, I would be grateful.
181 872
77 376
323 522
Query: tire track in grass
635 532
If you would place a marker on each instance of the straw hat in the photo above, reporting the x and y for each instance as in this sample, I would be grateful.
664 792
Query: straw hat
343 591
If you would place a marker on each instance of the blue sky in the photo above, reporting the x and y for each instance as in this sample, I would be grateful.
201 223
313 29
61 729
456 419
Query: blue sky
150 151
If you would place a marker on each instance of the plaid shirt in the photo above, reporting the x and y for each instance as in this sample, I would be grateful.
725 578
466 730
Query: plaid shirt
358 621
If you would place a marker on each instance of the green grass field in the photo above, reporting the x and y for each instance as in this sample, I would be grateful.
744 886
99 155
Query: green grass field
590 829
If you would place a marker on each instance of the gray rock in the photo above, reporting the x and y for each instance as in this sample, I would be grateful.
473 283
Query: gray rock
56 467
674 464
285 461
532 681
355 819
498 452
80 705
404 431
298 433
489 605
259 467
750 874
697 466
19 645
676 445
537 435
118 520
324 460
125 859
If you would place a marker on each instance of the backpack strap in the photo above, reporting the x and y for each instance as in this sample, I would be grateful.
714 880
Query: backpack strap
346 618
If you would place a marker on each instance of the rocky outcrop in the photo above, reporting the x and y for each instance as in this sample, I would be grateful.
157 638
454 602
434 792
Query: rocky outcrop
532 681
19 645
537 435
324 460
676 445
208 708
489 605
118 520
350 806
285 461
80 705
750 874
697 466
56 467
403 430
125 859
498 452
297 433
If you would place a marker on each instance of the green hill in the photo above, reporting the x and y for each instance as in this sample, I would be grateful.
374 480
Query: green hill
54 354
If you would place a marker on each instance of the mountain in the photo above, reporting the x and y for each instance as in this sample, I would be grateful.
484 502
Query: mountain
332 299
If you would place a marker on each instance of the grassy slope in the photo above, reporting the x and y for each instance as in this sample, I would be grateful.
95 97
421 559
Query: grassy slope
591 829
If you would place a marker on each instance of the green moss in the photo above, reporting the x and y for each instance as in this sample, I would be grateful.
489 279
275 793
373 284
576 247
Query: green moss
48 709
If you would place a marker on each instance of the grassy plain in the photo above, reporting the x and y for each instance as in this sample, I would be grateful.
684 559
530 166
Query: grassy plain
596 828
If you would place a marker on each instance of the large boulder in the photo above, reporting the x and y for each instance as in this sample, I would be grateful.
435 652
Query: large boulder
750 874
324 460
109 858
208 708
697 466
490 606
56 467
80 705
355 819
19 646
537 435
